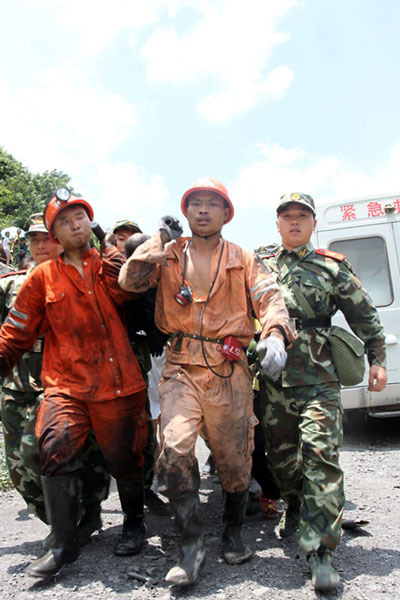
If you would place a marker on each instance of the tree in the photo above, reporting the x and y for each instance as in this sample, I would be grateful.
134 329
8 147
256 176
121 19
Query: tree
23 193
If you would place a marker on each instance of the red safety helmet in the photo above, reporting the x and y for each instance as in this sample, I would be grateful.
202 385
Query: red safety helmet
62 200
208 184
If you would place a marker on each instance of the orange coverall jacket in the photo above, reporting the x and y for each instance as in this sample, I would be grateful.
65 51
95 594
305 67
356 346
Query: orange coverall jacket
242 282
87 354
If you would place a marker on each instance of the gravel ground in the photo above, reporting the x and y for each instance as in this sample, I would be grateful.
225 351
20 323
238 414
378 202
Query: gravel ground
368 559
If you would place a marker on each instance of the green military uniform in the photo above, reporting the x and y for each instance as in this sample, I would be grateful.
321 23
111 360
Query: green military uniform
21 397
303 413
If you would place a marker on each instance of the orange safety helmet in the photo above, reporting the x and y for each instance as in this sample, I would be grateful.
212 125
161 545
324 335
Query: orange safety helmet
62 200
208 184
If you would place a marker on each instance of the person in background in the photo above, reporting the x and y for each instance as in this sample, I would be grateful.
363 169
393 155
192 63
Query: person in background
6 245
122 230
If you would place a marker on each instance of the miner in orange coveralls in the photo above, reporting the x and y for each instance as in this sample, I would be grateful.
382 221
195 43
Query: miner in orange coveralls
90 376
206 288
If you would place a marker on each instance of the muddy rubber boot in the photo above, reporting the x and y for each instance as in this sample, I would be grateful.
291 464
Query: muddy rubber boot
234 550
324 576
253 499
289 523
186 510
131 495
61 494
89 523
155 504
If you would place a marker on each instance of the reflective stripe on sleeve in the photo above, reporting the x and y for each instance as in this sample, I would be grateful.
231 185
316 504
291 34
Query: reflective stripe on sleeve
13 322
17 313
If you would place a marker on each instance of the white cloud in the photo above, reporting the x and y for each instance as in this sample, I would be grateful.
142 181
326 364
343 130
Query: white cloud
283 170
99 22
231 43
257 188
127 192
225 45
221 106
63 120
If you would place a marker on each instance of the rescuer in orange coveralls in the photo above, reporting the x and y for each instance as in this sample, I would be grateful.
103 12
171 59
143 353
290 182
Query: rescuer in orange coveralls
206 287
90 376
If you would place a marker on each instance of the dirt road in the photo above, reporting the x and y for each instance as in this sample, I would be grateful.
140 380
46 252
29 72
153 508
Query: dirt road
368 559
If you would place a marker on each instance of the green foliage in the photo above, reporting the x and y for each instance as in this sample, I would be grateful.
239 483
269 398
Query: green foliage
23 193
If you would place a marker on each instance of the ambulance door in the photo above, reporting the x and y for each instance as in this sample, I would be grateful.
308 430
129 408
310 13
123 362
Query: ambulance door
373 253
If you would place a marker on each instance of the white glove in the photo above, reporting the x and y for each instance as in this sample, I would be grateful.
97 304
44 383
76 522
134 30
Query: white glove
172 226
273 356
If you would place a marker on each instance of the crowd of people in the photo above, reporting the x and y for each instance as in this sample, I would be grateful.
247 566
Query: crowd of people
242 339
14 249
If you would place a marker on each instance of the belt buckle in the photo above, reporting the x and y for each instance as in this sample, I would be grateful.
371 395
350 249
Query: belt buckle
294 324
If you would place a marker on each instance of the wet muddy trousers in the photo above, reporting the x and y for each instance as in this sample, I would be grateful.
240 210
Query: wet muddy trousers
61 495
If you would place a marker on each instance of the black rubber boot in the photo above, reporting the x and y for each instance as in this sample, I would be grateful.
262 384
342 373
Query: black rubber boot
89 523
289 523
233 548
131 495
186 510
61 494
155 504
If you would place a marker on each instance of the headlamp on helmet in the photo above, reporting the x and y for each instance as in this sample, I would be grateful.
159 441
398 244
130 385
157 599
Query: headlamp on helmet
63 193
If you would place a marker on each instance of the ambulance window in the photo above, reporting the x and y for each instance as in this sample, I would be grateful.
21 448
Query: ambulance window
368 257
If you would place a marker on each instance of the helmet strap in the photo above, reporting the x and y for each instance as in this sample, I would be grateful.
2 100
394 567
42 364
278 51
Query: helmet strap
206 237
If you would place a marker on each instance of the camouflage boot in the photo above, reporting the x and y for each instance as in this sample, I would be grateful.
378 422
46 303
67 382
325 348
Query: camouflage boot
289 523
324 577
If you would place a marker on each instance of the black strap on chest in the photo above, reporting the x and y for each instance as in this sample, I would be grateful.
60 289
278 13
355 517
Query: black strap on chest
314 323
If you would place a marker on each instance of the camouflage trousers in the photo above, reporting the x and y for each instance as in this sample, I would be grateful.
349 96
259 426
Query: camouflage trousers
18 416
303 431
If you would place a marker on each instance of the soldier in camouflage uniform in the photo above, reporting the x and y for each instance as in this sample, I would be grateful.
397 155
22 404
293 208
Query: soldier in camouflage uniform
21 397
303 413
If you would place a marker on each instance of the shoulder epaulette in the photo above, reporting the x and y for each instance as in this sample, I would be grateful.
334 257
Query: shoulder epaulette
330 254
22 272
268 251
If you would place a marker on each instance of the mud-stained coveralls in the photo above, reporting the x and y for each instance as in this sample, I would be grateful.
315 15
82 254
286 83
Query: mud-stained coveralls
303 419
90 375
191 395
21 398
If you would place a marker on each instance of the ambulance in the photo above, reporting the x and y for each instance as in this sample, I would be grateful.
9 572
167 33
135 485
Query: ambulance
367 232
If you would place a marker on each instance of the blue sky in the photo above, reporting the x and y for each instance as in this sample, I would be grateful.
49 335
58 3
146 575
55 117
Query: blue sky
135 100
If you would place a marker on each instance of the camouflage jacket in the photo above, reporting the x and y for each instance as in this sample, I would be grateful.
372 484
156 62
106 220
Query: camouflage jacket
328 282
25 376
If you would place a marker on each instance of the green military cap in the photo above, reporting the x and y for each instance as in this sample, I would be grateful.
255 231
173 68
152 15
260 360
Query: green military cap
295 197
125 224
37 224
